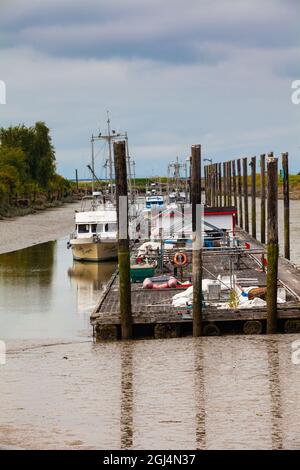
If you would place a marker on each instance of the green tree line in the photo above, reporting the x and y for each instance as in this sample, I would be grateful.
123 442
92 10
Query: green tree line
27 164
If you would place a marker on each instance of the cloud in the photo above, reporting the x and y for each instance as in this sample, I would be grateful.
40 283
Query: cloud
216 73
172 30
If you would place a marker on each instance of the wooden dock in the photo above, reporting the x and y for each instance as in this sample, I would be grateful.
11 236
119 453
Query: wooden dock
154 316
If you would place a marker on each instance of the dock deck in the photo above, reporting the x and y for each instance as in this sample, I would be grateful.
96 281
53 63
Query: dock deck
153 314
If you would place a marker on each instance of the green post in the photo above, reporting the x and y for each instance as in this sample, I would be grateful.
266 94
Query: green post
253 196
263 198
286 199
123 239
273 249
240 195
197 262
245 184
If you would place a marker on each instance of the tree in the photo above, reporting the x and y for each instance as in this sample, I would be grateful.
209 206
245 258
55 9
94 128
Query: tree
14 157
43 154
37 146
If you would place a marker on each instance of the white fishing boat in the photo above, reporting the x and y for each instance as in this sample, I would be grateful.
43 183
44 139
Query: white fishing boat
95 237
95 234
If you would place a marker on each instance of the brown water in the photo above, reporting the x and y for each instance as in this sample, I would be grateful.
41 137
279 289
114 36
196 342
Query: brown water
45 294
229 393
60 390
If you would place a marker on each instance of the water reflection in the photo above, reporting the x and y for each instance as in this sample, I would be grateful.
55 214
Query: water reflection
89 279
126 416
32 265
199 396
275 394
37 299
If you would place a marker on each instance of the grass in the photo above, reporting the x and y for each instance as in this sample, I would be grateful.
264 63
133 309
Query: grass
8 210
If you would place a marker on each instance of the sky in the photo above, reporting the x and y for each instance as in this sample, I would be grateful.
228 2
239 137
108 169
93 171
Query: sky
172 73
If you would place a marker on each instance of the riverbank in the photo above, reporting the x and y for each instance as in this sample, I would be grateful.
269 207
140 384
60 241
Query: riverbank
40 227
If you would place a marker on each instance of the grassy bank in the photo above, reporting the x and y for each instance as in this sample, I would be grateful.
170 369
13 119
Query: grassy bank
25 207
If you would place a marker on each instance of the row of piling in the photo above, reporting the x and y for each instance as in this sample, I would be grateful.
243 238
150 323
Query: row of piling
222 188
227 184
229 188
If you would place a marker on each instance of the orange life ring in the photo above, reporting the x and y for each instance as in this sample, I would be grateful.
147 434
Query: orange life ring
180 259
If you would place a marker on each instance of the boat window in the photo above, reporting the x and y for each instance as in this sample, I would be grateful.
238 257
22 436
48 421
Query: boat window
83 228
111 227
99 228
94 228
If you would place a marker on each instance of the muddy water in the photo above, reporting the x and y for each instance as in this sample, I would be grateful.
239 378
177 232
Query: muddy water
229 393
44 294
59 390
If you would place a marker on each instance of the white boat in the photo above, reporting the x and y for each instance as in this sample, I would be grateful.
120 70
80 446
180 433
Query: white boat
95 235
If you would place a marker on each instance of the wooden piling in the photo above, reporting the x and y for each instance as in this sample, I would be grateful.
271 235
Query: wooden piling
273 249
123 239
197 262
263 198
253 196
220 183
245 190
224 184
240 195
212 185
208 184
229 184
286 202
216 184
233 169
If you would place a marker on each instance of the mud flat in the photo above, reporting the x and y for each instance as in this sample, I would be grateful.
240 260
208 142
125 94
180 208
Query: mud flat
22 232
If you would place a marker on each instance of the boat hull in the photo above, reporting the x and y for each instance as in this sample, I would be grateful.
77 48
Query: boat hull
95 251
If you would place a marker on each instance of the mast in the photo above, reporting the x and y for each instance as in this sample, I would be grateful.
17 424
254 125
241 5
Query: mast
110 162
93 163
109 138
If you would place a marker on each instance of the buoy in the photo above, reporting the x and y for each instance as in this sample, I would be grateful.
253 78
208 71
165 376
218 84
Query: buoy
180 259
172 283
147 284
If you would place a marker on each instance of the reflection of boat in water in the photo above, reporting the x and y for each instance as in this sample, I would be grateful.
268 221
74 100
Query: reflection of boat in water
90 279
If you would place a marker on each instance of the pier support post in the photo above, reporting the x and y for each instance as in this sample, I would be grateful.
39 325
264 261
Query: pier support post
245 184
273 249
234 188
253 196
224 183
208 184
229 184
216 184
220 183
197 261
212 169
263 198
123 239
240 193
286 200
